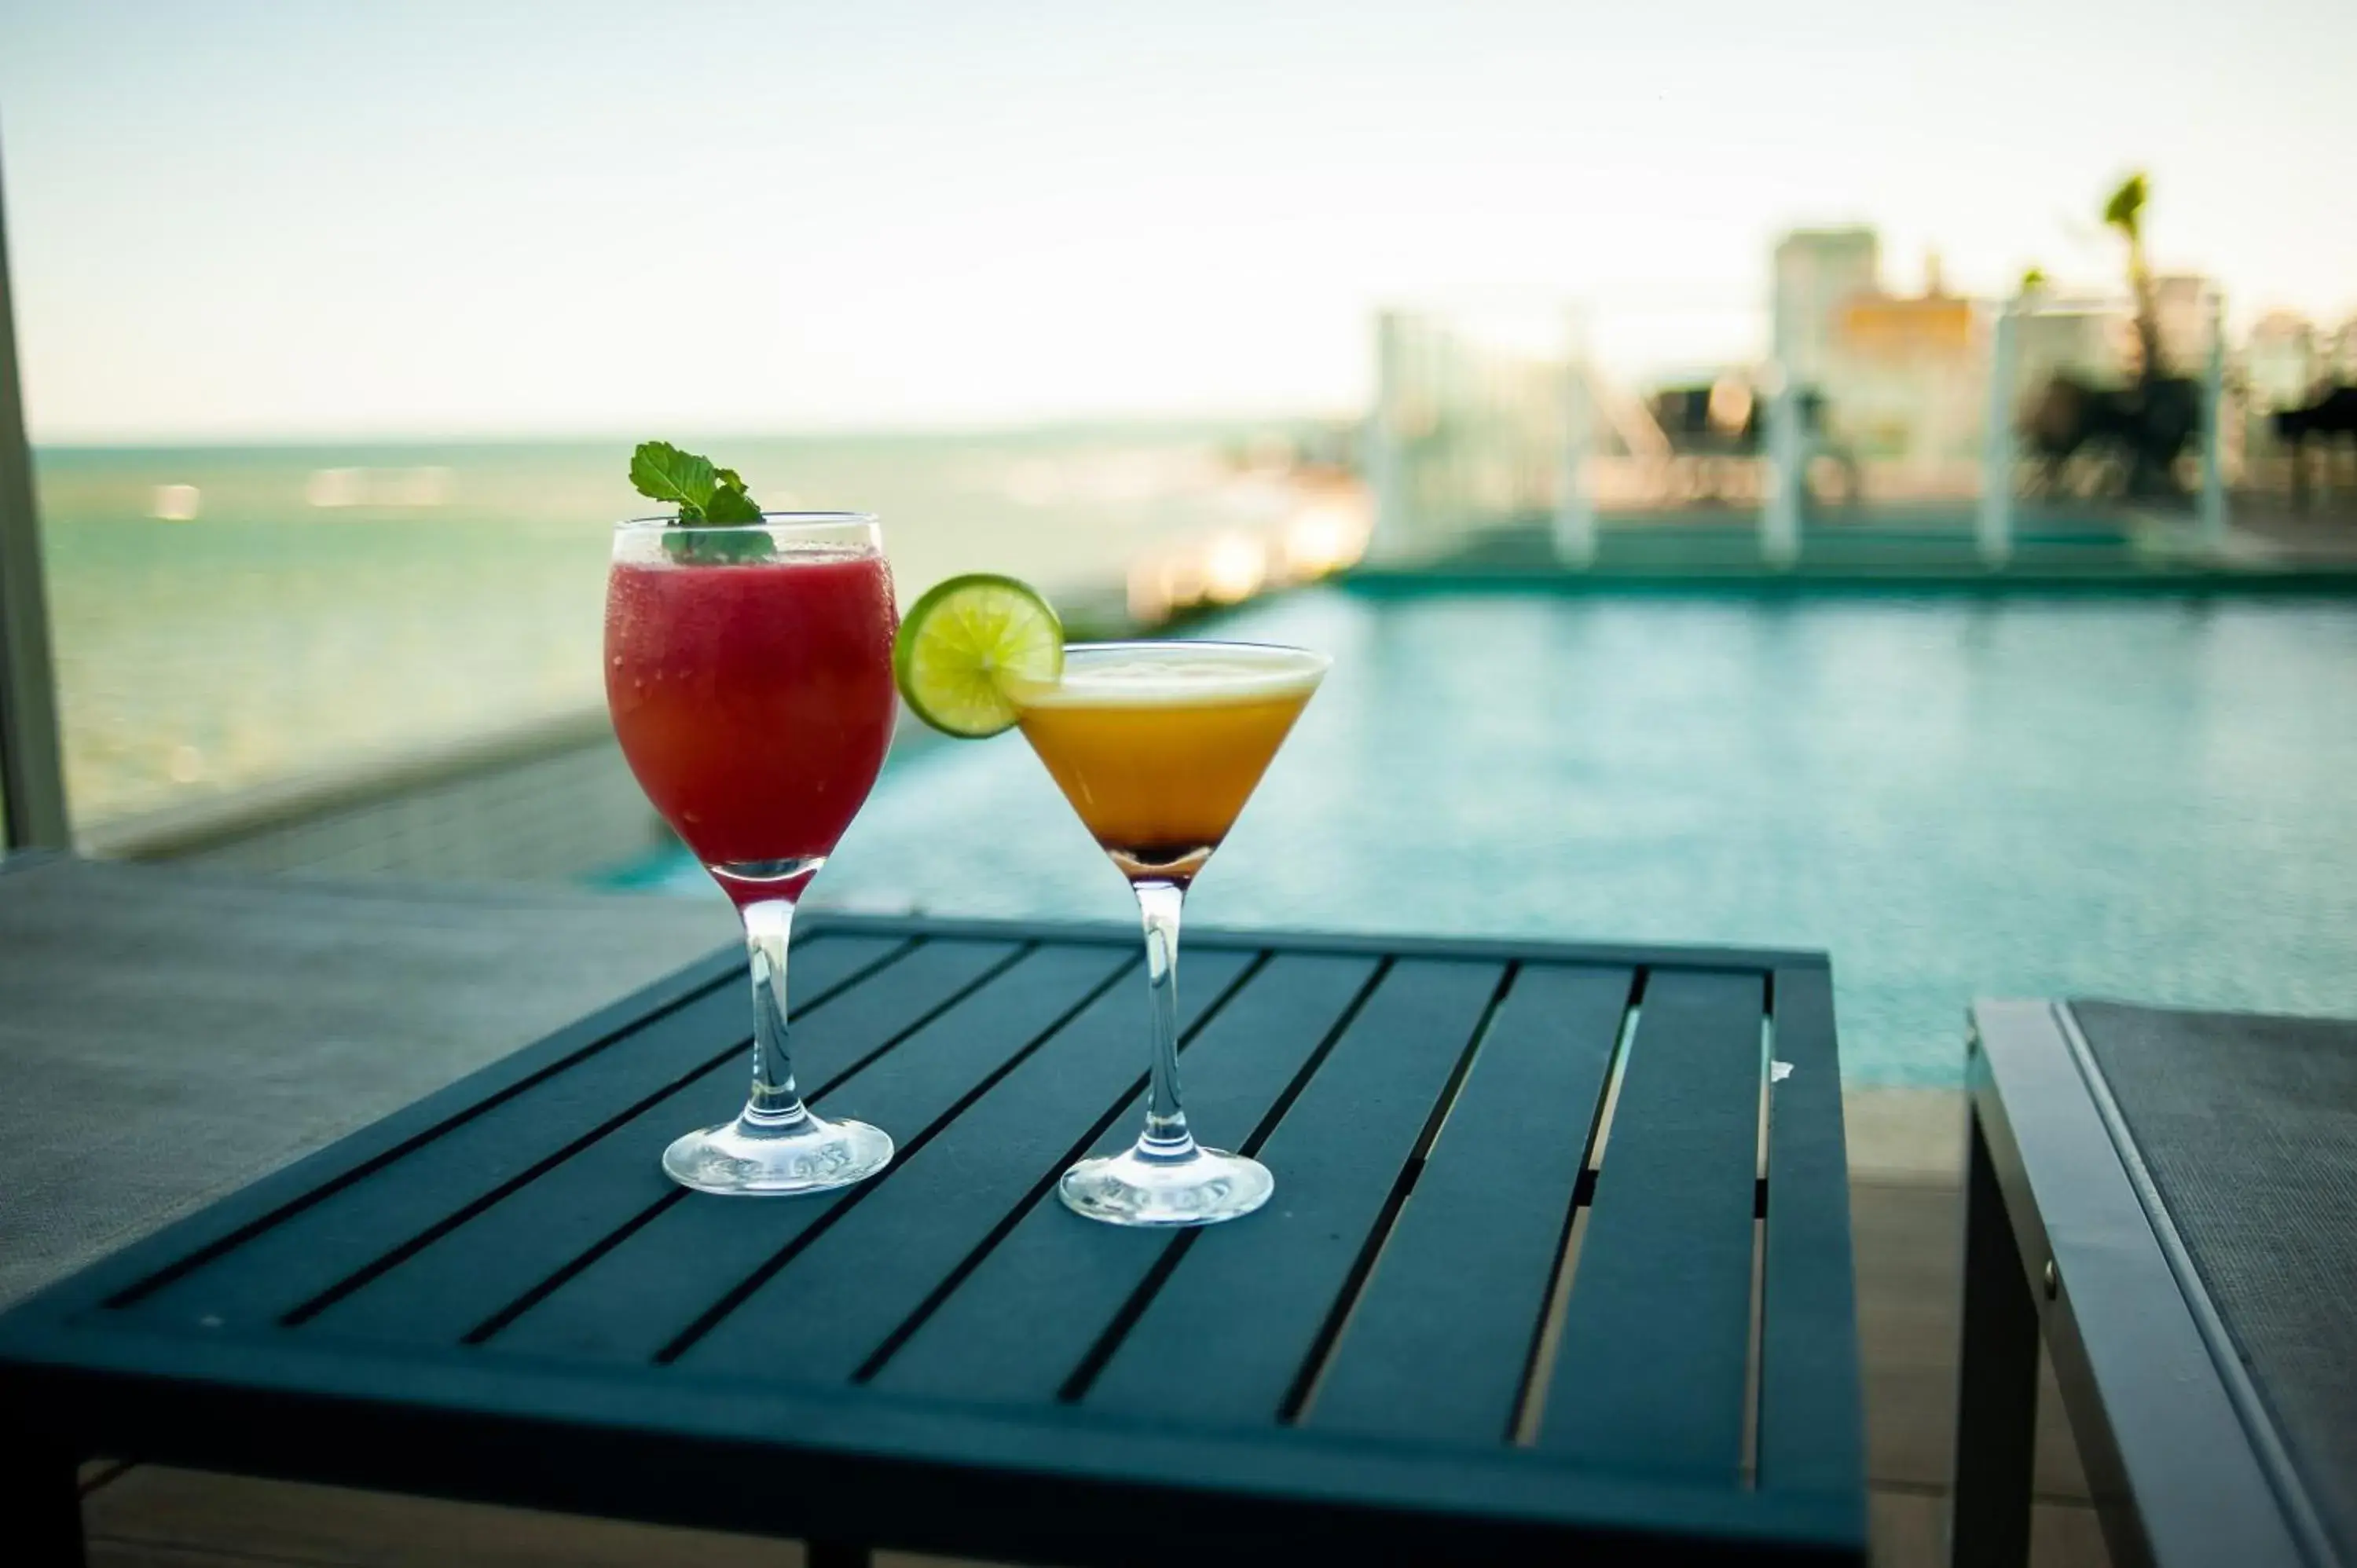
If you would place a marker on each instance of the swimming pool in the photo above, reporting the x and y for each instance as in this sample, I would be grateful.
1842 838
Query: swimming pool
2148 798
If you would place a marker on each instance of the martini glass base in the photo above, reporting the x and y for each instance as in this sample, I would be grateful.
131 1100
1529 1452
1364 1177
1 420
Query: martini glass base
1200 1188
805 1154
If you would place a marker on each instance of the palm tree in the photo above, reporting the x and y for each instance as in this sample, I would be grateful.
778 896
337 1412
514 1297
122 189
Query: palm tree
2125 212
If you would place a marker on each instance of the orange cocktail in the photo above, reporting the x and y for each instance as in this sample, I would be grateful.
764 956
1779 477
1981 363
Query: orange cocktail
1157 745
1157 750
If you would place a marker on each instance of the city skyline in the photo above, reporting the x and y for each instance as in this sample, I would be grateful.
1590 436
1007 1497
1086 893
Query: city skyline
462 220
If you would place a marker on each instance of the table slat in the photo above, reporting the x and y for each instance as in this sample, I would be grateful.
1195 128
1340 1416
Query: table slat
1016 1329
1336 1155
1650 1372
1440 1340
655 1283
868 1274
1811 1408
292 1262
463 1278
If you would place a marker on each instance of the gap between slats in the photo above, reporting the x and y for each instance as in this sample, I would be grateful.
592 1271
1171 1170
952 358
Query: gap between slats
1038 1190
1301 1392
1076 1386
1523 1428
1355 1283
181 1268
711 1319
545 1288
305 1311
1530 1409
703 1326
1757 1305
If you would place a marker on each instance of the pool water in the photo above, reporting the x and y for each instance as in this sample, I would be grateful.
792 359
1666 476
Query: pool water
2151 799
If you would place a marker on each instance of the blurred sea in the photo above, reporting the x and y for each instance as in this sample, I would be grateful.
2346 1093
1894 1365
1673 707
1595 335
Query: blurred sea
223 615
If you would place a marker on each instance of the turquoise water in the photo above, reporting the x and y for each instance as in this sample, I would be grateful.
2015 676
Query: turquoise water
2155 801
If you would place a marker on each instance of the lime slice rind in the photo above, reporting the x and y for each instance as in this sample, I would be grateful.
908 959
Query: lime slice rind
969 646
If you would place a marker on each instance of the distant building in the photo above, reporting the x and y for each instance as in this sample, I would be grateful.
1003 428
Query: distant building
1906 376
2181 303
2088 340
2093 337
2281 361
1818 272
2341 354
1901 376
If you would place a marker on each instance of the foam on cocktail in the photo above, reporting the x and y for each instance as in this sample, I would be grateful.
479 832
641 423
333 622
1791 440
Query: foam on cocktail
1159 746
1178 675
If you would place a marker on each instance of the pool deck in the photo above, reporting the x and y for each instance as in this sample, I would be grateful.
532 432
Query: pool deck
558 954
1914 548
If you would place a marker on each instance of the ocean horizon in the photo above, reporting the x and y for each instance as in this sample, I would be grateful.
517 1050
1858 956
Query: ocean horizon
223 616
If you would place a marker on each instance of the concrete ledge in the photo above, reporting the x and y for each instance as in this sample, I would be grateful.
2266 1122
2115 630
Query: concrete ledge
171 1035
223 819
1905 1134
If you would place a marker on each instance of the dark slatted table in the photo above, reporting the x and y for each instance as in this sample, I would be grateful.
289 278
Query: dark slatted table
1559 1256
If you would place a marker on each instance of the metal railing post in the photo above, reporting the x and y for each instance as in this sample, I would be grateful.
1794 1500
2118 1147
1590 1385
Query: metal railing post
1382 453
2213 433
1779 509
1994 528
32 782
1575 504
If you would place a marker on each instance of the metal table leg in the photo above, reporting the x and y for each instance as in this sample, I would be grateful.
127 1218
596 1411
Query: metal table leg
40 1503
1996 1387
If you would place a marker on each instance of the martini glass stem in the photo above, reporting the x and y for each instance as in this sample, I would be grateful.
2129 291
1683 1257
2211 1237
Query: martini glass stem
1166 1137
768 929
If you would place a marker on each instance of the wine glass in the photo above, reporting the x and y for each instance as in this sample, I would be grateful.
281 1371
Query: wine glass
748 670
1157 745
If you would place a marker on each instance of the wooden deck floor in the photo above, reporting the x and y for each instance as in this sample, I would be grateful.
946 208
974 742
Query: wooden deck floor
1904 1203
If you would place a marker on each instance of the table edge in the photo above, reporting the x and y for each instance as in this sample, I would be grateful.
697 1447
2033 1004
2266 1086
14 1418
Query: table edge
1489 948
182 1401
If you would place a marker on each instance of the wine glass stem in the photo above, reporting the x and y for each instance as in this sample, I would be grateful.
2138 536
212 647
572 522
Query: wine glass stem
1165 1137
768 927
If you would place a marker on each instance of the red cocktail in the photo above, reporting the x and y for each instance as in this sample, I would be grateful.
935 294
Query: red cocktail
754 702
748 670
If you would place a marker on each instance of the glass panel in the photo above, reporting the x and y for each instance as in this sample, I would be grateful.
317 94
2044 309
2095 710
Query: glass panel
232 617
1676 396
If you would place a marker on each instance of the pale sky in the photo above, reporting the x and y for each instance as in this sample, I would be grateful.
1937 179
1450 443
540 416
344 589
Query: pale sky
311 220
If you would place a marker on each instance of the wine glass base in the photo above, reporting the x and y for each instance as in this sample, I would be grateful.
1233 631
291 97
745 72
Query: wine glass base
1200 1188
744 1158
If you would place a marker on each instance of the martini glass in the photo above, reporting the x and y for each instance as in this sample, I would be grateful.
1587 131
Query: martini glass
748 670
1157 745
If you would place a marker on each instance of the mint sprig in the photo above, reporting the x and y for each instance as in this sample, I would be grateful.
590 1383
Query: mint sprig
705 494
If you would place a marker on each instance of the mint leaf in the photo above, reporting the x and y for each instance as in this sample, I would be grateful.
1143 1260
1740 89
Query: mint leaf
706 549
729 503
704 495
661 471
